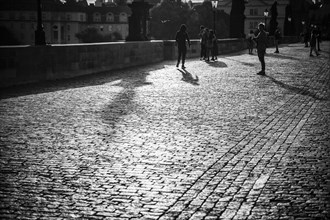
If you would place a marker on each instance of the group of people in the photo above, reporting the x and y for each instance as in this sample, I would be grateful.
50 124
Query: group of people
252 42
209 45
208 40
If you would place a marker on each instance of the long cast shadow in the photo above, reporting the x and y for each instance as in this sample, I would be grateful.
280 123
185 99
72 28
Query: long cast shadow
123 103
300 91
188 77
218 64
94 79
281 56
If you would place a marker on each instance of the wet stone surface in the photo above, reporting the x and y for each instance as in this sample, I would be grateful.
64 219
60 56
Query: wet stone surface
215 141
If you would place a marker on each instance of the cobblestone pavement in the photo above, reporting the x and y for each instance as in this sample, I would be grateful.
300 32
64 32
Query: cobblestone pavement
215 141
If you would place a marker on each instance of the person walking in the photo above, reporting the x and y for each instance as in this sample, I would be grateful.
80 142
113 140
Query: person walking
277 36
181 39
209 45
250 37
312 43
215 47
319 37
261 40
203 42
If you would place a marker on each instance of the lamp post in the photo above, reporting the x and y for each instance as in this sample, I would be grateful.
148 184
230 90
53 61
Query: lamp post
266 15
40 38
214 6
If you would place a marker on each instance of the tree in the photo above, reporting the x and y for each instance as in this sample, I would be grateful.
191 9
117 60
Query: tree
167 17
205 13
7 38
273 19
237 18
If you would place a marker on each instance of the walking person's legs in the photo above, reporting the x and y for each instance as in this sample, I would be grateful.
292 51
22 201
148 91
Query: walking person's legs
261 56
179 57
184 52
276 46
311 51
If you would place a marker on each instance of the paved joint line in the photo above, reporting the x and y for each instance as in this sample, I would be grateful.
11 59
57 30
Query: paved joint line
260 126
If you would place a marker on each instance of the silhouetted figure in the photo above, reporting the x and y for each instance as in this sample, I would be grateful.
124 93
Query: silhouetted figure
318 37
250 43
277 36
215 48
202 36
261 40
181 38
313 43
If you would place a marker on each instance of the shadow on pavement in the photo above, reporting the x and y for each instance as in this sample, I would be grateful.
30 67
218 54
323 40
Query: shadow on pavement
281 56
241 62
300 91
123 103
217 64
94 79
188 77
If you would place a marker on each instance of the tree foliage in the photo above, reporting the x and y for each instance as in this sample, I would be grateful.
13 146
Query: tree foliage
237 18
7 38
167 17
273 19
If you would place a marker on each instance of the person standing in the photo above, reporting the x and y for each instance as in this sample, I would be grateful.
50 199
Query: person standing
215 48
250 41
318 37
181 38
277 36
203 42
312 43
261 40
209 45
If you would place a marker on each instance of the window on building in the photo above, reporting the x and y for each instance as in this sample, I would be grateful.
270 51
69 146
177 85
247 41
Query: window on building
33 16
123 17
110 17
22 16
82 17
12 16
101 28
44 16
68 17
110 28
96 17
69 37
251 26
55 35
255 11
68 27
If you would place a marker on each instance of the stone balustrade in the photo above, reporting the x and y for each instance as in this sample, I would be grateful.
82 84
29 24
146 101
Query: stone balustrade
26 64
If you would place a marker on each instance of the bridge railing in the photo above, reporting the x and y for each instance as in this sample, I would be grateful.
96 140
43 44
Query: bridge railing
26 64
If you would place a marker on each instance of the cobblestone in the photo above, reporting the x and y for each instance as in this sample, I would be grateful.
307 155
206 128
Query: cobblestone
214 141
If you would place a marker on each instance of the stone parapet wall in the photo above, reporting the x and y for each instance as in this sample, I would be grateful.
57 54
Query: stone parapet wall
25 64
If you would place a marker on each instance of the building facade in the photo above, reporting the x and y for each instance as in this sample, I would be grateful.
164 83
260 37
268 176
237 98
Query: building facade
61 22
254 12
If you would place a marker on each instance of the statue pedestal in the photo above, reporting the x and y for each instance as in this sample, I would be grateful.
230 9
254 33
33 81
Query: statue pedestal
137 22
